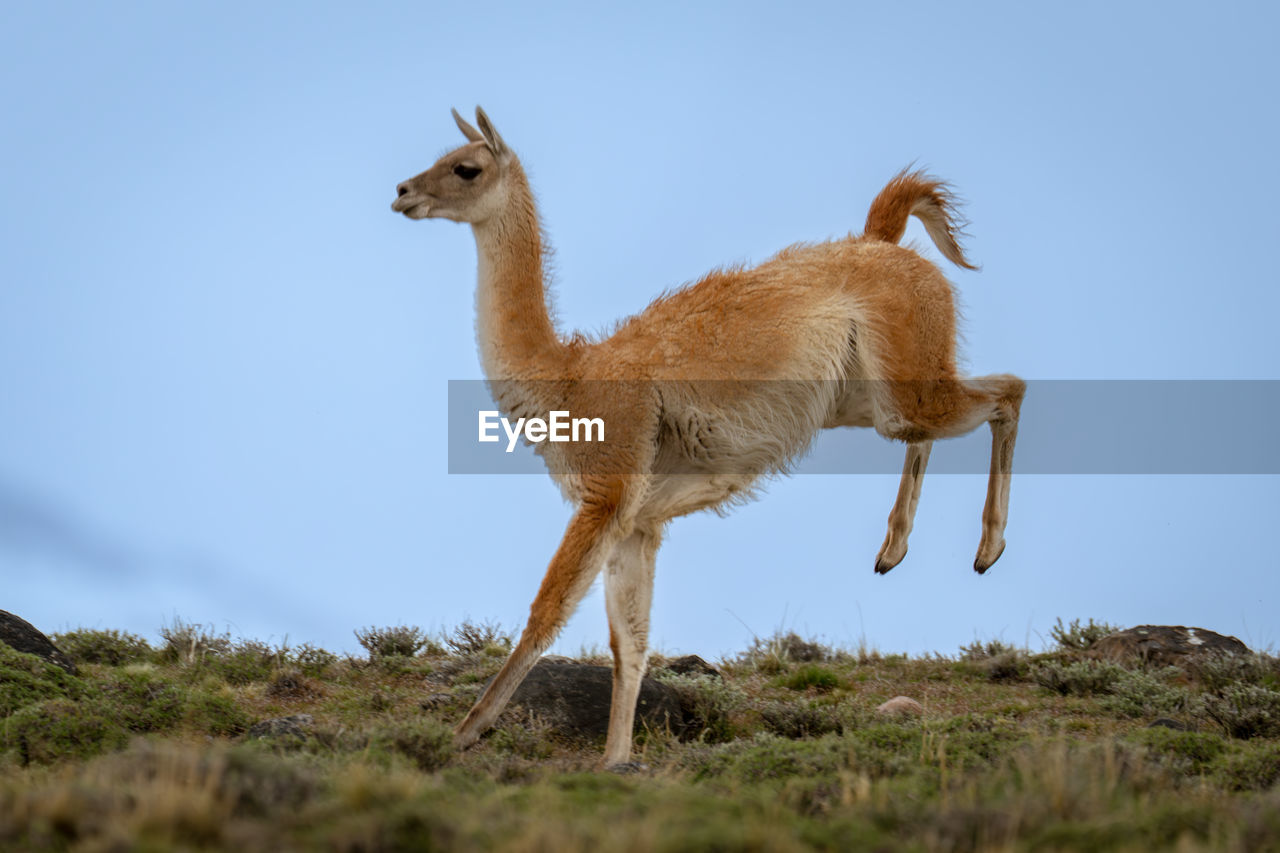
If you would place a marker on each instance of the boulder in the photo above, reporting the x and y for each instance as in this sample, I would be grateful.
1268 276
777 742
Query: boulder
22 636
691 665
574 699
1165 645
1166 723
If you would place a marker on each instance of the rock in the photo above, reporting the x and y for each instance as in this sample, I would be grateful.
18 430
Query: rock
1165 645
691 665
556 659
901 706
20 635
574 699
1166 723
432 701
294 726
291 685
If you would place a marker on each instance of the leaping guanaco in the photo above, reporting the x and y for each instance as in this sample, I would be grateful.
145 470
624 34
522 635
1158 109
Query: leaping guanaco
710 388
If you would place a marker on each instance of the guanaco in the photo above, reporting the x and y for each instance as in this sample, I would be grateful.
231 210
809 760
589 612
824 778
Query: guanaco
712 387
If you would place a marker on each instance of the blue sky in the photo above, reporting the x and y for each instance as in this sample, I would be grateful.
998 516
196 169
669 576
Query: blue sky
224 361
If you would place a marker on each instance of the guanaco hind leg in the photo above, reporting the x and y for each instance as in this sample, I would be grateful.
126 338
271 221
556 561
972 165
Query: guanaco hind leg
903 514
995 400
1006 404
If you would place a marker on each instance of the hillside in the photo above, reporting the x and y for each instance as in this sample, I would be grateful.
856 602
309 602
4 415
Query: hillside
161 748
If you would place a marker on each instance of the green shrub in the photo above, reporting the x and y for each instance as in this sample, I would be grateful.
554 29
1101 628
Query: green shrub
426 742
216 713
1185 752
60 729
1081 678
884 749
311 660
1219 671
113 648
486 638
875 751
246 662
978 650
1143 693
1245 710
1255 768
525 737
141 702
1004 664
399 641
26 679
1076 637
768 757
976 741
190 643
794 720
709 702
812 677
772 655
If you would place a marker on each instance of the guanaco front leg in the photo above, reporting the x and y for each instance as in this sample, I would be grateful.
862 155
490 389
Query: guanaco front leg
902 516
628 588
590 537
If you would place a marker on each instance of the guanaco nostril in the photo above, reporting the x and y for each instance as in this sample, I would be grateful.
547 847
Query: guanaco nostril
402 190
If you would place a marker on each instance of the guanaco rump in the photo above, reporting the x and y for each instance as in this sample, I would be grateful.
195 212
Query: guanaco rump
712 387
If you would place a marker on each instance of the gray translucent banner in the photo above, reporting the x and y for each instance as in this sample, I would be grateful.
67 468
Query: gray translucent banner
1067 427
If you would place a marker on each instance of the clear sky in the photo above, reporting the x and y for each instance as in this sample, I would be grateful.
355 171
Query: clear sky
224 362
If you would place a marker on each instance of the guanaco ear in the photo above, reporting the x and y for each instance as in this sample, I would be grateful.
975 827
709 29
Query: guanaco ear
467 130
491 137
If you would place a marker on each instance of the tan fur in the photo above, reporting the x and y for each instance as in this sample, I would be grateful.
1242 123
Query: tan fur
710 388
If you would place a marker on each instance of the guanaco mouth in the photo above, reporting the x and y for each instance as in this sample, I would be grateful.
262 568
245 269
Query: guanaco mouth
414 207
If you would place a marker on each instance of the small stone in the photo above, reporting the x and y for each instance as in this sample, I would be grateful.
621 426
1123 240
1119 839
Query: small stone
901 706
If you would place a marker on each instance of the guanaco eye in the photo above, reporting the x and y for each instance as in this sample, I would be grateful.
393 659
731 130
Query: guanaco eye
467 173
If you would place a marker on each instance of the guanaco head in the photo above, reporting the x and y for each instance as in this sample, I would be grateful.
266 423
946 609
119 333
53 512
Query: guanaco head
464 185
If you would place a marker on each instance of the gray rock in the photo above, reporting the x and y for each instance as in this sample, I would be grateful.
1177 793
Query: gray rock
1166 723
294 726
432 701
691 665
1165 645
22 636
574 699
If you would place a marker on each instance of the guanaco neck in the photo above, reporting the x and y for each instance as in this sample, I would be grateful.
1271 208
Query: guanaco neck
516 335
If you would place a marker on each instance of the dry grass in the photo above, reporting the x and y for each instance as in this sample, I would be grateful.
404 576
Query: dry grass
791 756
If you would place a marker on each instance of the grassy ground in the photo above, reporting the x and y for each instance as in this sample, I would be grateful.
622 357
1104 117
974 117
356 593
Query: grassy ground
150 749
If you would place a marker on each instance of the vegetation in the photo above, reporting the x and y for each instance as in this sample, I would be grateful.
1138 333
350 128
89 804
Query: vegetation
164 747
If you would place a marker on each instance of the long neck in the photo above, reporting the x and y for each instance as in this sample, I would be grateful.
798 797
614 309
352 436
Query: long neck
517 338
